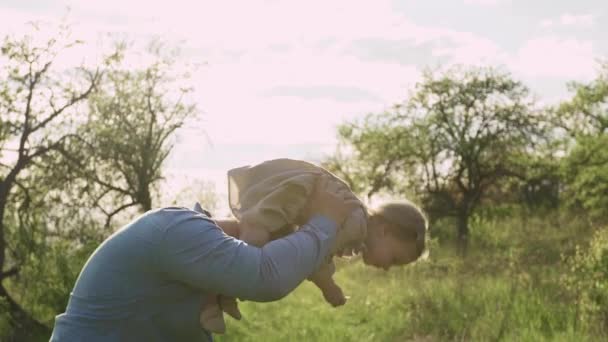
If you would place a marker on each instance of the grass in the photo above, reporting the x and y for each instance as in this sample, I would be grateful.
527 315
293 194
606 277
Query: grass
508 288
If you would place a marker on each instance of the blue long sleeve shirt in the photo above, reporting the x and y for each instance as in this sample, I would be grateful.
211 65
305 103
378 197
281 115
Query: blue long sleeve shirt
146 282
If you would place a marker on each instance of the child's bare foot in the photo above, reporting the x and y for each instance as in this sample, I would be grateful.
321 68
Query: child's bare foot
230 306
212 318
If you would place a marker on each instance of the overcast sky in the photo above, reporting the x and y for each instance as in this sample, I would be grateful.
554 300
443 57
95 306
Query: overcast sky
278 76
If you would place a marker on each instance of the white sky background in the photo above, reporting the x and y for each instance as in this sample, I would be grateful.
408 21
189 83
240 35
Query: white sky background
278 76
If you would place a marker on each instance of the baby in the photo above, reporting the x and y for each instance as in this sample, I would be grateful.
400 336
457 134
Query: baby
269 200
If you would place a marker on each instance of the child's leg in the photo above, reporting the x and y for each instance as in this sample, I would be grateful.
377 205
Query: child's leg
331 291
211 317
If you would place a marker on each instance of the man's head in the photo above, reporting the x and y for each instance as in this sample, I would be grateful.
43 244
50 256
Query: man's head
396 235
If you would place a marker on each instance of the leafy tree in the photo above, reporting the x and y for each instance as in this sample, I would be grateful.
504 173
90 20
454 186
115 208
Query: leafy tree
133 119
65 175
52 232
459 135
369 154
585 118
587 112
37 107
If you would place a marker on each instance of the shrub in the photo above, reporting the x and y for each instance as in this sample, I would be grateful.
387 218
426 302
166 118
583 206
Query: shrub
587 281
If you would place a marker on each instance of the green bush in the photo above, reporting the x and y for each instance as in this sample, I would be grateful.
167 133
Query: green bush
587 280
586 173
5 321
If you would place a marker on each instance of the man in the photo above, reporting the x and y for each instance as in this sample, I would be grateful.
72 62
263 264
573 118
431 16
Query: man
146 281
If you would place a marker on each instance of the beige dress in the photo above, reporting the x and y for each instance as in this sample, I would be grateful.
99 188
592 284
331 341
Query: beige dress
273 194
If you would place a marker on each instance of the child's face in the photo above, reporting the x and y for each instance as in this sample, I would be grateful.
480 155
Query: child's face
384 250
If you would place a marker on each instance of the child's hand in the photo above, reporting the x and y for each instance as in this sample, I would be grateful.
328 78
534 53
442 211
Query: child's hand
334 295
324 281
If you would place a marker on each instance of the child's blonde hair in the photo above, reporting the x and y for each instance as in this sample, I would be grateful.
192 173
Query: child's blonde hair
406 220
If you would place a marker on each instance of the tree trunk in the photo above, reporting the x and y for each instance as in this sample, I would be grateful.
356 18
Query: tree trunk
145 200
463 232
3 202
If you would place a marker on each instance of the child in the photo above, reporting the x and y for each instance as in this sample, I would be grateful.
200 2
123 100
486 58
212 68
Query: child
269 200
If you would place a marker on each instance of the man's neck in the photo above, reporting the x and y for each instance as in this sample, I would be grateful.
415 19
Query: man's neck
230 227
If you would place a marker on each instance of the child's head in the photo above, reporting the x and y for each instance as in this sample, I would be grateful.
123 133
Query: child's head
395 235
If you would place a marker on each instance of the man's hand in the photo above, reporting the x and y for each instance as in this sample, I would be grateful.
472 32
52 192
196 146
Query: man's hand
329 200
352 235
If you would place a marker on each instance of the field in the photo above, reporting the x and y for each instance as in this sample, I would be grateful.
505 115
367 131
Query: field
510 287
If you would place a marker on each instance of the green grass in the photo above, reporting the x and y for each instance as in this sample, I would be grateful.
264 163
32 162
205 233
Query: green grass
423 303
507 289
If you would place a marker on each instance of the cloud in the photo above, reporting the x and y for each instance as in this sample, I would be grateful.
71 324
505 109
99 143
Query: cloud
253 24
484 2
341 94
257 74
258 30
546 23
556 57
281 75
469 49
276 120
258 47
13 21
570 20
414 44
577 20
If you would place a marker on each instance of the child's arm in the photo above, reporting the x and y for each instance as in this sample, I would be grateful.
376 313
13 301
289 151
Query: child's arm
323 278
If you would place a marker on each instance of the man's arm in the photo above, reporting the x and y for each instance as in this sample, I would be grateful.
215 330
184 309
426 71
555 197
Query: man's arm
198 253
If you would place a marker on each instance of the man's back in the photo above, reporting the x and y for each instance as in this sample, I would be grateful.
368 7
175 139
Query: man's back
123 292
145 283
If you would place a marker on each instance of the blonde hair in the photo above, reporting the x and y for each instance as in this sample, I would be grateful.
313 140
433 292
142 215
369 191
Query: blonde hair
406 220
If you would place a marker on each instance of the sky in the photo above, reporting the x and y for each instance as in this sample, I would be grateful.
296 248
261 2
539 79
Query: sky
277 77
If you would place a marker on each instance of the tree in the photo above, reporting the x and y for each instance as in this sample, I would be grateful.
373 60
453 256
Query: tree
368 155
587 112
37 106
76 149
133 118
585 168
460 134
52 230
